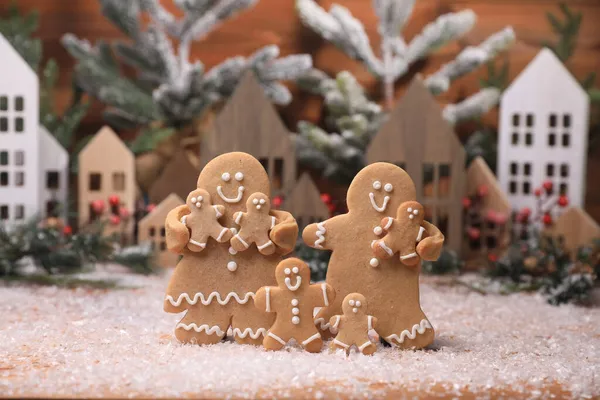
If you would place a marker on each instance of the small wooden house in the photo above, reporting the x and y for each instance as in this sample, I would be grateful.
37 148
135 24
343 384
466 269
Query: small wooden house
54 176
107 171
490 216
250 123
573 229
151 229
417 138
305 203
179 176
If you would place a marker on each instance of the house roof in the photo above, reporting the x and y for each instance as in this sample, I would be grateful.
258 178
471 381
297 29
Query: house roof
305 199
162 209
12 60
105 139
50 141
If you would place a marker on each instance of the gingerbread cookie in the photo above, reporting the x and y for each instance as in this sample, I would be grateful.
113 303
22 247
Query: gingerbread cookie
203 220
255 225
216 287
402 234
293 300
353 327
390 287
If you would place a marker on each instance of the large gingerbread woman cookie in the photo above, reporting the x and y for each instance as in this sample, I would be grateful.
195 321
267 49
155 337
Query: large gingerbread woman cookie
216 287
294 300
390 287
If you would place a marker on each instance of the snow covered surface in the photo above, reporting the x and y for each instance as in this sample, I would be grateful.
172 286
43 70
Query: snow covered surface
84 342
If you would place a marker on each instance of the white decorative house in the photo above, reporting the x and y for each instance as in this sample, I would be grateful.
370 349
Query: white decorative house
543 133
27 151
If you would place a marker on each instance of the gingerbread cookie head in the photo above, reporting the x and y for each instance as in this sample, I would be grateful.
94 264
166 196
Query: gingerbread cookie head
230 178
355 304
292 274
410 212
197 199
378 190
258 202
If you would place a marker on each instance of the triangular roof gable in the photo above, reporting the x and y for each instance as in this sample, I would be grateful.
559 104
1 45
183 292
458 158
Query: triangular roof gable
577 216
544 70
179 176
50 141
12 60
162 209
305 197
106 140
479 173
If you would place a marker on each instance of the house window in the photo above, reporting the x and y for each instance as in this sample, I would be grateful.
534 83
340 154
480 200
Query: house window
444 180
152 232
19 124
567 120
512 187
52 208
3 178
516 120
19 103
563 188
52 180
277 178
526 187
515 138
95 181
529 120
3 157
514 168
491 242
552 139
528 139
3 103
19 179
119 181
20 212
442 220
566 140
552 120
19 158
3 124
3 213
428 179
163 246
265 163
527 169
550 170
163 233
564 170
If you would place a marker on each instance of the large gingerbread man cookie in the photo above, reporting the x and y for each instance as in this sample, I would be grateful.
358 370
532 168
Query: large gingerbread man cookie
203 221
293 300
255 225
353 327
216 287
390 287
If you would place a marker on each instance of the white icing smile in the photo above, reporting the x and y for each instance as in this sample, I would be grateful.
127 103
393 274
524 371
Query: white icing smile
229 199
288 283
377 208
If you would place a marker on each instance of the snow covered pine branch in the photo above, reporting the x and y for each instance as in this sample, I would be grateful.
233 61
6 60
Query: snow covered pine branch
170 87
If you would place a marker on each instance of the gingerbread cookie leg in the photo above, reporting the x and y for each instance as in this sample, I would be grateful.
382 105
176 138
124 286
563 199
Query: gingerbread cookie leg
264 244
202 325
198 243
367 348
314 343
339 345
274 342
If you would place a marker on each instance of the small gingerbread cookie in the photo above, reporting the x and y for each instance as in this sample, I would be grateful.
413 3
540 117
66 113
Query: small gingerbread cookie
353 327
293 300
203 220
402 234
255 225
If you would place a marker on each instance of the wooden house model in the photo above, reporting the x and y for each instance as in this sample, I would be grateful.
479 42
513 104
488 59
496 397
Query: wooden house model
54 176
151 229
574 229
180 176
106 169
543 133
305 203
417 138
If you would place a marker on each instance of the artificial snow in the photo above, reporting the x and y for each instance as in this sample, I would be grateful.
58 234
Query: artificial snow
90 342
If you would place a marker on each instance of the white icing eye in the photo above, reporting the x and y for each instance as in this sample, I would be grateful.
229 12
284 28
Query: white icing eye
416 212
226 176
409 209
295 270
287 271
193 199
200 198
376 185
262 201
351 302
388 187
239 176
357 303
255 201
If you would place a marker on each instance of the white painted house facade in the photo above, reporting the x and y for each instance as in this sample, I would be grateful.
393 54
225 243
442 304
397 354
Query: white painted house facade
543 133
27 151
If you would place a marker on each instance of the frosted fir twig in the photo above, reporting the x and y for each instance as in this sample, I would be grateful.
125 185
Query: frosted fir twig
473 106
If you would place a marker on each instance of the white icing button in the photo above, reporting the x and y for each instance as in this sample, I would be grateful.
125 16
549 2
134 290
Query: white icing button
255 201
226 177
239 176
388 187
374 262
355 310
262 201
376 185
295 320
357 303
295 311
295 302
351 302
295 270
232 266
233 230
378 230
287 271
232 251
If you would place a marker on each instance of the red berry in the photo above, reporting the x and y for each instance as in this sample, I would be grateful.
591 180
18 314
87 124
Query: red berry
548 186
124 212
331 207
98 206
67 230
547 220
474 233
482 190
526 211
492 257
115 220
466 202
326 197
537 192
150 207
114 200
563 201
277 201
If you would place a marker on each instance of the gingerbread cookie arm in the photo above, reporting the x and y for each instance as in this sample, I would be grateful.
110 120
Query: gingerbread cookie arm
430 247
263 300
372 322
285 231
322 235
323 293
177 234
336 321
219 210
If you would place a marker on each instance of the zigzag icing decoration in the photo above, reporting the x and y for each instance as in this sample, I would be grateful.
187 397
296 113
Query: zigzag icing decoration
207 301
210 330
420 328
320 235
254 335
323 325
